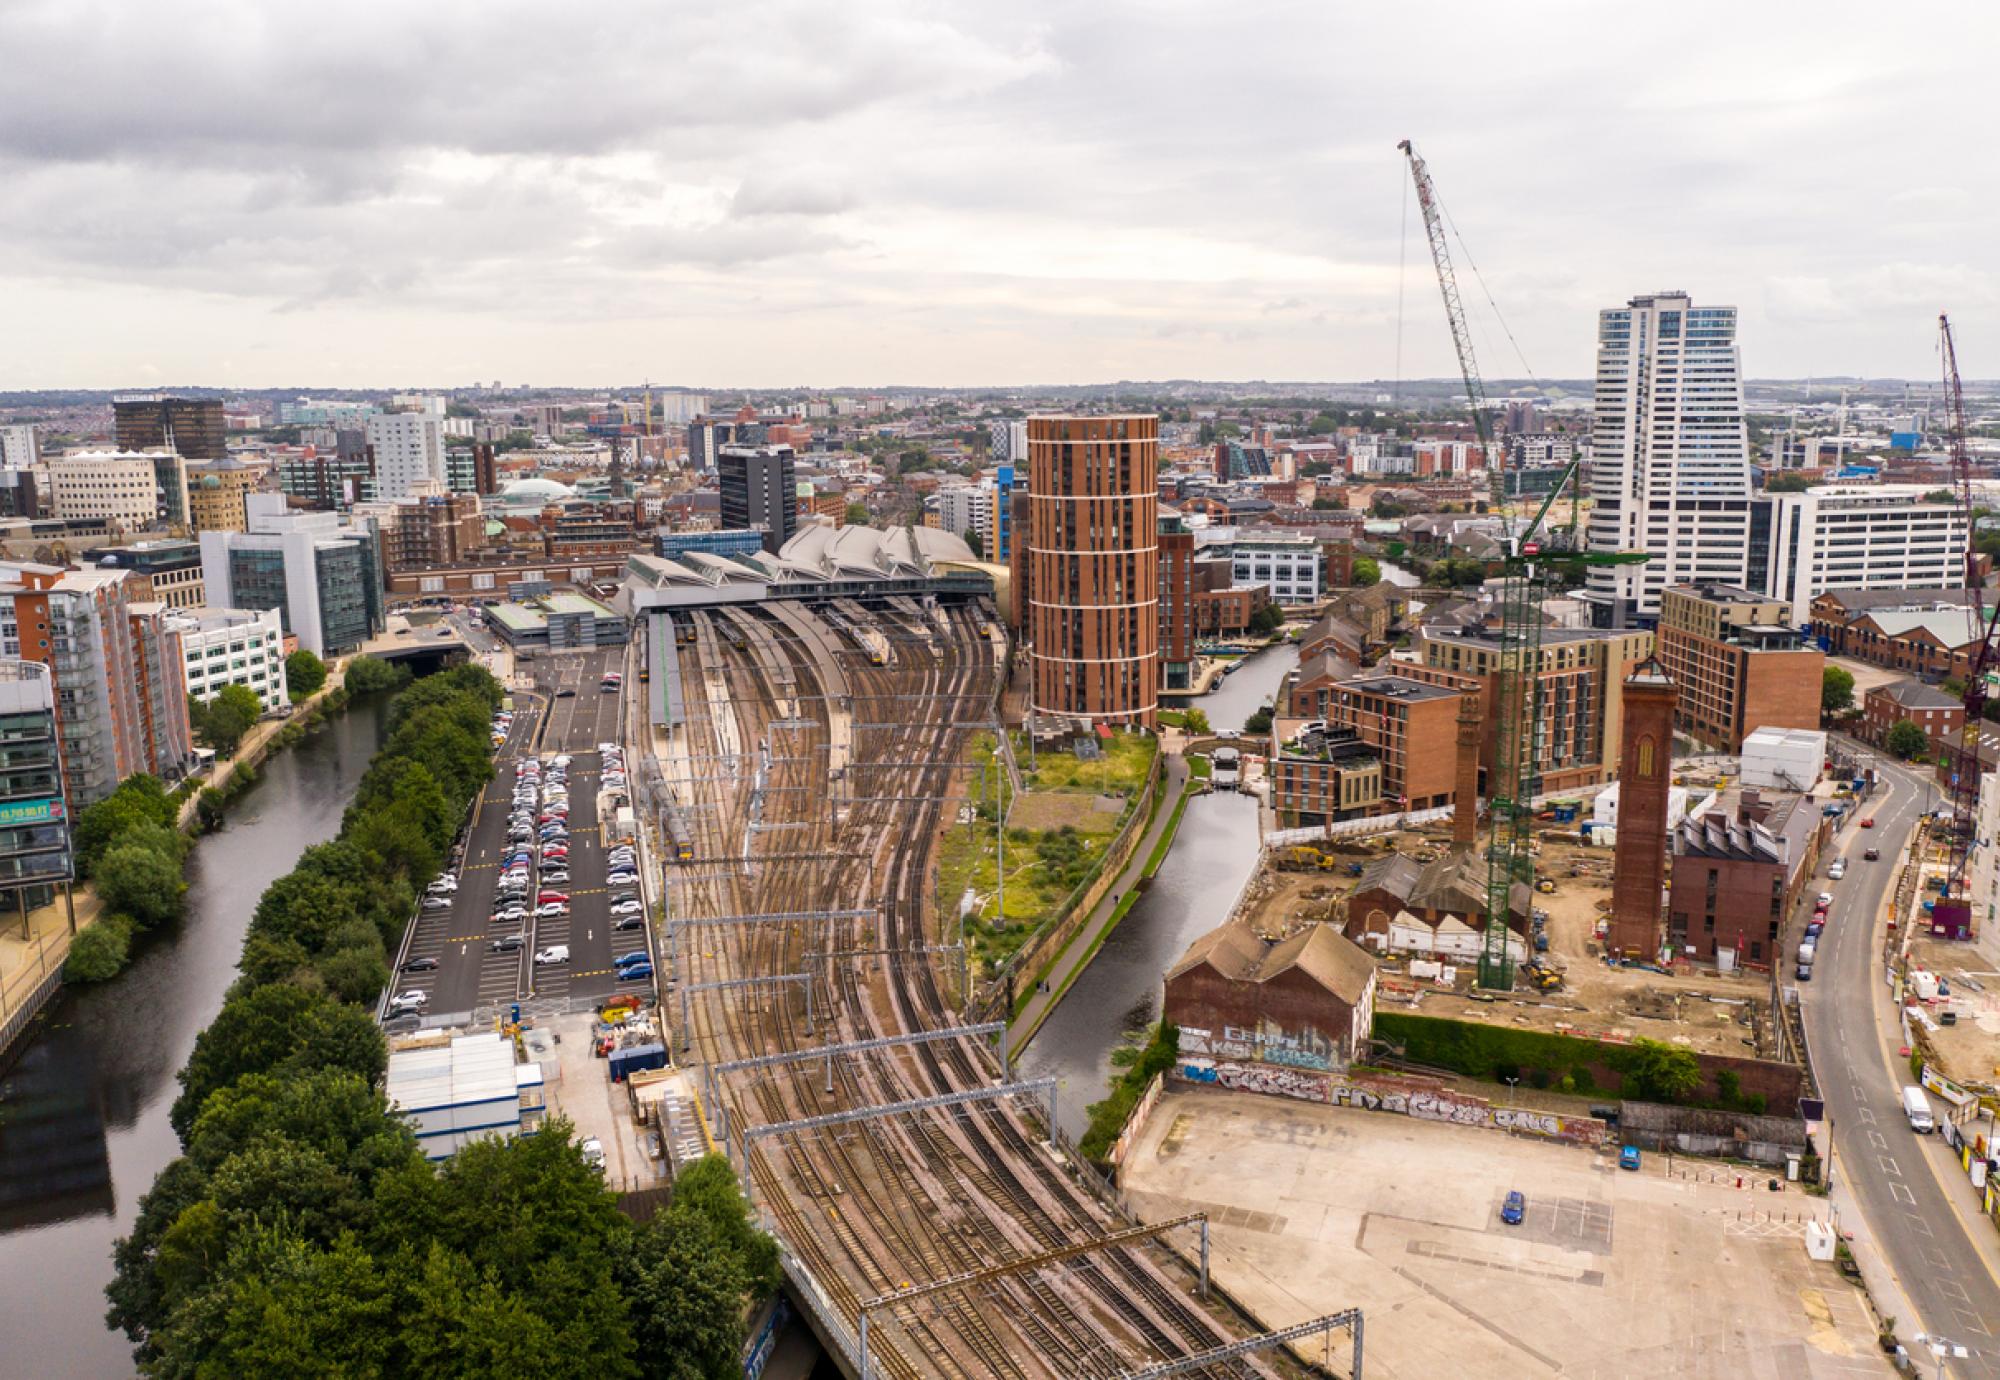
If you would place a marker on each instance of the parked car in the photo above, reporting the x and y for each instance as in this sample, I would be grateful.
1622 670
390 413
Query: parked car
420 965
555 953
618 896
627 907
553 896
1803 972
592 1150
437 903
622 878
628 922
508 943
1825 898
548 910
555 874
565 693
1514 1209
636 956
1628 1157
408 1003
1838 870
635 972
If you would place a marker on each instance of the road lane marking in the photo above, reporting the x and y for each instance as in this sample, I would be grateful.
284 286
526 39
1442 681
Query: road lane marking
1888 1164
1901 1193
1878 1140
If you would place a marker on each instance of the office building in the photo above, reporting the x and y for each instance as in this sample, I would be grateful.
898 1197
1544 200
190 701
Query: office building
1865 537
114 487
215 494
121 703
34 811
166 571
193 428
20 494
713 541
1286 563
471 469
331 480
1646 769
221 647
1007 441
19 448
1670 458
1092 564
409 450
759 489
678 409
322 575
1738 662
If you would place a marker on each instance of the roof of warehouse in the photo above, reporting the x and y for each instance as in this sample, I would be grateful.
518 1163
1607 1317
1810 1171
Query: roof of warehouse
473 1068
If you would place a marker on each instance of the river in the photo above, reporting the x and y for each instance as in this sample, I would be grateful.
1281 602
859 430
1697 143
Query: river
83 1113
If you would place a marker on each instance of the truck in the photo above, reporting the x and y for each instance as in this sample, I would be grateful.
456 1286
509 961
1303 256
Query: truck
1917 1108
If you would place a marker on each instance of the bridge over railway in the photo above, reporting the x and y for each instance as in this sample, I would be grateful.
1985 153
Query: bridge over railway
933 1219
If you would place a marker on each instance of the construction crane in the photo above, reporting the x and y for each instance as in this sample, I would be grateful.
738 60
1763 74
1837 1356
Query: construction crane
1510 789
1953 912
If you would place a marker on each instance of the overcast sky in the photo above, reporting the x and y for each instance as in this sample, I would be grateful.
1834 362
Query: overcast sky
767 193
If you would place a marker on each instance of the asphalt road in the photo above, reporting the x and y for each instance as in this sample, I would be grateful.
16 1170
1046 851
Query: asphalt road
1883 1163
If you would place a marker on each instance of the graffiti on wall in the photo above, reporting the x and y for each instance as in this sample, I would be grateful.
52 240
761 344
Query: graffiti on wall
1423 1101
1267 1042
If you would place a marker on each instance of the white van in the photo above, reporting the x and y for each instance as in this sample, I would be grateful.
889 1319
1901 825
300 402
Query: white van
1917 1108
1806 952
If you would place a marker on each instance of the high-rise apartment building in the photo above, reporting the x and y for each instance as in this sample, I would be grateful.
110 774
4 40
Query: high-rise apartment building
34 812
193 428
1670 459
121 701
409 449
1092 560
322 575
759 488
19 449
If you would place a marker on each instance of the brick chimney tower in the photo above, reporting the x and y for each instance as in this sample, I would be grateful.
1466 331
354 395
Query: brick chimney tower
1645 771
1465 794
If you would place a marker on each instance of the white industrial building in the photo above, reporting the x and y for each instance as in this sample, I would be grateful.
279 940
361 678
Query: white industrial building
1859 536
453 1094
1287 563
233 647
121 487
1783 759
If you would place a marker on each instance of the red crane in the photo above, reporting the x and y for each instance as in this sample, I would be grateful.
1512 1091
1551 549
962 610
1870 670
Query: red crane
1953 913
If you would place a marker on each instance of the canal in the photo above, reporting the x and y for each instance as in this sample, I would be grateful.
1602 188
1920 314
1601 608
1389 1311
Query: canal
83 1112
1118 995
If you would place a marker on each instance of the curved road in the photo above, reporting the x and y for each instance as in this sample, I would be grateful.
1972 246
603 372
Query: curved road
1892 1174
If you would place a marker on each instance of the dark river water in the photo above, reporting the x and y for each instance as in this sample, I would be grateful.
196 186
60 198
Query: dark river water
83 1110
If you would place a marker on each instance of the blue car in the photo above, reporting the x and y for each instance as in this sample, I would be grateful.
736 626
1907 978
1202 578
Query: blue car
1628 1157
1514 1209
634 972
636 956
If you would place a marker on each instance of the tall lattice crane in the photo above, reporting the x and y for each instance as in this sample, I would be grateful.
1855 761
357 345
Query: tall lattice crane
1510 789
1953 912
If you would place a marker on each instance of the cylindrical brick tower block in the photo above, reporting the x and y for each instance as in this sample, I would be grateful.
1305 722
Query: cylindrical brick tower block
1094 579
1646 770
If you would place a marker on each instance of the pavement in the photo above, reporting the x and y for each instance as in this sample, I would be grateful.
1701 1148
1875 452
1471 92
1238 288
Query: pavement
1082 947
1611 1273
1931 1260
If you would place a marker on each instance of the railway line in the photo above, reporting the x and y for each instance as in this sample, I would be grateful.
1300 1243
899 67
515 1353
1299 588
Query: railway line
883 1203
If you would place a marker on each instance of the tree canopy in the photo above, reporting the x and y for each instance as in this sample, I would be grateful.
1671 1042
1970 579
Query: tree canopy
304 674
1836 690
221 722
1906 740
1367 571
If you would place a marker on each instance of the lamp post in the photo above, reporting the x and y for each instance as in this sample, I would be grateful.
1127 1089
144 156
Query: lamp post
1942 1347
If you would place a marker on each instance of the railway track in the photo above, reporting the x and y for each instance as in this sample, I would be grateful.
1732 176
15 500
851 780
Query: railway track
881 1204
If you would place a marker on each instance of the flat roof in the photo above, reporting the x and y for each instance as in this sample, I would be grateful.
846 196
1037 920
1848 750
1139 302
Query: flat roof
1398 687
568 601
472 1069
518 616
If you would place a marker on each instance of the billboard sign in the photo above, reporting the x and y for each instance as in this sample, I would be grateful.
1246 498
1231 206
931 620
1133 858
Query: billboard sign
17 812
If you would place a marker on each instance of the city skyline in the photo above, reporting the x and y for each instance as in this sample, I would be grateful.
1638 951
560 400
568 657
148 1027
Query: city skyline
938 198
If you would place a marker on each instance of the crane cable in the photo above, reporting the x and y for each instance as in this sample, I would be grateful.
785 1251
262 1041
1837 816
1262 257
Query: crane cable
1498 315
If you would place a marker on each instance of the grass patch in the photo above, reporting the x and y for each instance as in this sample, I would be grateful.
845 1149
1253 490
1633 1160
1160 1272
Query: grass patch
1173 718
1108 1118
1200 767
1119 770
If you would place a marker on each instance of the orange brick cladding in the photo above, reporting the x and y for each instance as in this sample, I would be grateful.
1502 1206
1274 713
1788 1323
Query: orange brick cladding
1737 666
1646 766
1093 558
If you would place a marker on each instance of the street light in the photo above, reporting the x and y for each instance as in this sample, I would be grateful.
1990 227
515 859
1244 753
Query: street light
1942 1347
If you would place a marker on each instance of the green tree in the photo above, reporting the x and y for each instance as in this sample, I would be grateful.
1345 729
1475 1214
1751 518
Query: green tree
99 951
857 515
1661 1072
1836 690
1268 619
1195 722
138 800
304 674
1906 740
368 674
1940 496
1259 723
1788 483
278 1027
1367 571
977 541
142 882
222 721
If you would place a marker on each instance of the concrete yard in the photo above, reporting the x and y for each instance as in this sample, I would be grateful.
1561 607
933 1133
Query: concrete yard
1613 1273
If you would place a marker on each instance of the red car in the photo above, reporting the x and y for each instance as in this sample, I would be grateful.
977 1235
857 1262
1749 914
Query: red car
1868 823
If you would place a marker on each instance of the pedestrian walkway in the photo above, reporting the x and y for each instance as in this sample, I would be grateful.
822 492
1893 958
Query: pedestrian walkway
1082 947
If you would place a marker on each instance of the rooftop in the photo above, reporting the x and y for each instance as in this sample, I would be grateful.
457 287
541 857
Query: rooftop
1914 694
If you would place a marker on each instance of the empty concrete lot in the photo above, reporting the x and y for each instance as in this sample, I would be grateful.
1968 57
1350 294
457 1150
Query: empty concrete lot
1613 1273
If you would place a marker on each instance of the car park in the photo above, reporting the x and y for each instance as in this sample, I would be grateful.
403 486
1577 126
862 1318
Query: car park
1514 1209
508 943
555 953
421 965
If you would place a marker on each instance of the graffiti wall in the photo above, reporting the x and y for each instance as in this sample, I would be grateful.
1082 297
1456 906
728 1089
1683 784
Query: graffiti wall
1305 1048
1420 1098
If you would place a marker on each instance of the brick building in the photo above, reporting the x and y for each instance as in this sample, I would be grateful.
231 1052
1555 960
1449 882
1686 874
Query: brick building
1091 563
1939 715
215 494
1388 744
1927 632
433 530
1451 885
1579 699
1306 1000
1645 772
1738 663
1737 871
